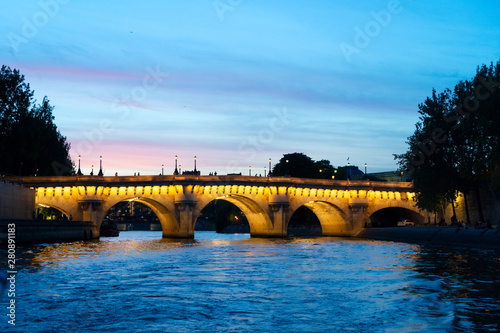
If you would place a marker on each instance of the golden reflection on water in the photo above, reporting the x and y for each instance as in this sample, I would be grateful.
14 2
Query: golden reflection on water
48 255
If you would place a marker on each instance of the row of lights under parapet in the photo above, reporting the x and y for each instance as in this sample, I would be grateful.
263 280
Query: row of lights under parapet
176 170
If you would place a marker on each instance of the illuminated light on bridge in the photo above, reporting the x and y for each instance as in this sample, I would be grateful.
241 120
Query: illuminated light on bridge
342 207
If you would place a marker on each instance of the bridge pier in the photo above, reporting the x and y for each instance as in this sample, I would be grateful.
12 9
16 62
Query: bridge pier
357 207
185 218
279 220
279 202
92 210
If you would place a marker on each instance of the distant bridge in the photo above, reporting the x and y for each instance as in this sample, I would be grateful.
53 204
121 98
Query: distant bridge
342 207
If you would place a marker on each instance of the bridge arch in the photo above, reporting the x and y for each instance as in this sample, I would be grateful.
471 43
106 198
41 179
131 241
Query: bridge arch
333 220
389 216
167 219
303 222
65 206
62 210
258 218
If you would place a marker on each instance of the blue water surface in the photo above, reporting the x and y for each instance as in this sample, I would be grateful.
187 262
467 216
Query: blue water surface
139 282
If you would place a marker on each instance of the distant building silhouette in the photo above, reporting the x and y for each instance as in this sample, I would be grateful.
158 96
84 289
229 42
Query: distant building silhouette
349 172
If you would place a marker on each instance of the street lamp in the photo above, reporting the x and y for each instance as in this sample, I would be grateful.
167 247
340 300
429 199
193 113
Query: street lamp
162 169
100 167
195 164
180 169
265 169
250 170
287 169
176 172
269 167
365 168
79 173
92 172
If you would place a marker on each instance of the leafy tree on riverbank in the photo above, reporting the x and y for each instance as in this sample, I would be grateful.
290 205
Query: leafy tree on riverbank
302 166
30 143
456 143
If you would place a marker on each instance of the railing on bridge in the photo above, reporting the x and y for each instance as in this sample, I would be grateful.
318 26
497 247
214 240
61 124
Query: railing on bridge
117 181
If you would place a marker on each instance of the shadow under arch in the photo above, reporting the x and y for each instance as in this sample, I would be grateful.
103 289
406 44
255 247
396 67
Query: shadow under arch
390 216
303 222
167 219
332 219
257 218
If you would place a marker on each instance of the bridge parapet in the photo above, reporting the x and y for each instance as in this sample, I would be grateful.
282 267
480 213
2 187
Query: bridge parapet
126 181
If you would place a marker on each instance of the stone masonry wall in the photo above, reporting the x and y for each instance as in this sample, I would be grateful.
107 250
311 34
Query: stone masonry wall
16 202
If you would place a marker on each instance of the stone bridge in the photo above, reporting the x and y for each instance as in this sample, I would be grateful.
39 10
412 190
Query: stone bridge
342 207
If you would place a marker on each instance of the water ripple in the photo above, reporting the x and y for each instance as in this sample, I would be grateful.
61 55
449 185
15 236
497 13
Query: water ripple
233 283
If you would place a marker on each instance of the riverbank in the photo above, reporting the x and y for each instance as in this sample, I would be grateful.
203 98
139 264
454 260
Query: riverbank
476 238
43 231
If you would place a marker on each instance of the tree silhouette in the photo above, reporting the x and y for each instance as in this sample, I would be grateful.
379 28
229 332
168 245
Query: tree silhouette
30 143
302 166
456 143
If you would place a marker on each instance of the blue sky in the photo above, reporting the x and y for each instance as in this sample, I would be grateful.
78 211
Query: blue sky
238 82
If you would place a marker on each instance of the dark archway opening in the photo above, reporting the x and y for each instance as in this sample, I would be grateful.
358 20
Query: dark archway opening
223 217
304 223
130 215
50 213
389 217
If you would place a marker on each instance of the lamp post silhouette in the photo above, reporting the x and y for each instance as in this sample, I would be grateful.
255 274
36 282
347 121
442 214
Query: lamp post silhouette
265 169
250 170
180 169
365 168
79 172
162 169
269 174
176 172
92 172
287 169
195 164
100 167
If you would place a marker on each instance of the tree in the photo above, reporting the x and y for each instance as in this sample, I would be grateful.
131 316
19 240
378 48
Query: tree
325 169
302 166
456 146
30 143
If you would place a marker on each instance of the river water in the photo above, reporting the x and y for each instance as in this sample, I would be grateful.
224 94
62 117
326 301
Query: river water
139 282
